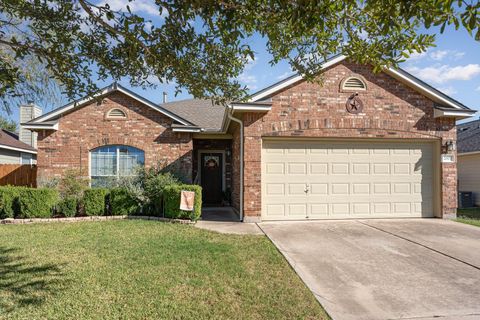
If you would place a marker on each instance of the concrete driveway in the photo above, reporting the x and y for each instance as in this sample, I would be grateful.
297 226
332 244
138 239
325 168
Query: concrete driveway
386 269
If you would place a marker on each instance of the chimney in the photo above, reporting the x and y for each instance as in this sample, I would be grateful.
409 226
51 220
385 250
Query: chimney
28 112
164 97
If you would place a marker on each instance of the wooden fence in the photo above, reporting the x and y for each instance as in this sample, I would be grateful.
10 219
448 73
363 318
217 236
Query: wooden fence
18 175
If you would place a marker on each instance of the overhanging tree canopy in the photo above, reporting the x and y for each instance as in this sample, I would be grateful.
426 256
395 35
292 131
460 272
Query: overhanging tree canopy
203 45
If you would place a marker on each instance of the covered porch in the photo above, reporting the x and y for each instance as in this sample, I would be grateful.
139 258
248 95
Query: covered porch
212 168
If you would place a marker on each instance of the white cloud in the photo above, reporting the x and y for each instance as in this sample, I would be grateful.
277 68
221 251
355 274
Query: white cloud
445 73
458 55
250 63
438 54
478 88
417 56
249 80
448 90
246 78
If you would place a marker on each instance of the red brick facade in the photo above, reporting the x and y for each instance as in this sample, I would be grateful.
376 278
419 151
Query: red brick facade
88 128
391 111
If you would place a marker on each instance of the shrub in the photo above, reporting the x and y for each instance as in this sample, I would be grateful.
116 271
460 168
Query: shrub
172 202
8 201
122 202
72 184
68 206
36 203
154 183
94 201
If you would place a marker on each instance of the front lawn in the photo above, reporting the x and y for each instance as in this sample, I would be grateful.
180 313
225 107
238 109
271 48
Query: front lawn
469 216
145 270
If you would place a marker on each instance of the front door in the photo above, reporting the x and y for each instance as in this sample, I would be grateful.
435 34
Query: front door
211 178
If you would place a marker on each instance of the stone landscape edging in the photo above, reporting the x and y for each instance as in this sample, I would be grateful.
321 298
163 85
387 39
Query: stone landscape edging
92 218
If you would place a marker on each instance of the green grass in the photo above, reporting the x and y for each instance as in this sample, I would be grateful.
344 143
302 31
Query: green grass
469 216
145 270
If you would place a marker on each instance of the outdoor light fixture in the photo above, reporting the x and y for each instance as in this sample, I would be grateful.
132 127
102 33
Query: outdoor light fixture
448 146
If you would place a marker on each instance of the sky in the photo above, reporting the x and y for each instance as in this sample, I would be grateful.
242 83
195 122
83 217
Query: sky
453 66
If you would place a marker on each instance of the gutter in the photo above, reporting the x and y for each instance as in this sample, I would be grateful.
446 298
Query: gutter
240 122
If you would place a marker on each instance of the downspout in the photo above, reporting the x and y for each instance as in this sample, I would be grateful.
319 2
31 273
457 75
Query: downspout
240 122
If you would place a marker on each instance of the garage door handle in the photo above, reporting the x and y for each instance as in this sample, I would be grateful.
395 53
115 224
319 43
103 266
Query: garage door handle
307 188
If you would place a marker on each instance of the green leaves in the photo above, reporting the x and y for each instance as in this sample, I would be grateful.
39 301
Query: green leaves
203 46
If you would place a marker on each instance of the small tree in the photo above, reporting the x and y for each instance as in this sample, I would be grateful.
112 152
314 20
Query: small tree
8 124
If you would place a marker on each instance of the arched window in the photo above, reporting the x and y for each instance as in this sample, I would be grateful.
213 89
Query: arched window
353 83
109 163
116 114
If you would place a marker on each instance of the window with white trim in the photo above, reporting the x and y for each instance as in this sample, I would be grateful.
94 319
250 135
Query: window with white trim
109 163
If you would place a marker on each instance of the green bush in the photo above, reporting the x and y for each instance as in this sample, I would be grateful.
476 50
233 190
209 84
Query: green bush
68 206
172 202
72 184
122 202
8 201
154 183
36 203
94 201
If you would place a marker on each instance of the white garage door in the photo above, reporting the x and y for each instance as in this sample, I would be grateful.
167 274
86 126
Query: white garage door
332 180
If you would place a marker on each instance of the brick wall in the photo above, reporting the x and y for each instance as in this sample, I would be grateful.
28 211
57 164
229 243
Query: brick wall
87 128
391 111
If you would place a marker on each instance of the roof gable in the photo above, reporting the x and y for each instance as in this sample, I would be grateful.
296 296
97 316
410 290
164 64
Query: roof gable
103 92
397 73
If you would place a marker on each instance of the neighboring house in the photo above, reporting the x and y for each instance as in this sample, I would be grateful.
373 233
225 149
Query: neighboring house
358 145
14 151
468 164
21 148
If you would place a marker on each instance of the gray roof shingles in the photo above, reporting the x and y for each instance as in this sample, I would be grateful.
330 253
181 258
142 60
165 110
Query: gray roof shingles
10 139
468 136
203 113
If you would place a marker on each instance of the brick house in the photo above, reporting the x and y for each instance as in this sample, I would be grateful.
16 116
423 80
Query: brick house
354 145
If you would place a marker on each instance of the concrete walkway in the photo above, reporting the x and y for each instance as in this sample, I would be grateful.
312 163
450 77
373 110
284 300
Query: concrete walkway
225 220
386 269
229 227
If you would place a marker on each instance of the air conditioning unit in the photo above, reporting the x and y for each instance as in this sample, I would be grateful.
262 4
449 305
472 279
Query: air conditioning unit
465 199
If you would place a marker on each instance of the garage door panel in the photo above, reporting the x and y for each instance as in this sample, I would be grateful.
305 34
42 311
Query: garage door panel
346 180
275 168
340 168
297 168
296 188
319 168
275 210
297 209
360 168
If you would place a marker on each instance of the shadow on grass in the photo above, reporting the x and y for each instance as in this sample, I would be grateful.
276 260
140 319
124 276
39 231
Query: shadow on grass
23 283
469 213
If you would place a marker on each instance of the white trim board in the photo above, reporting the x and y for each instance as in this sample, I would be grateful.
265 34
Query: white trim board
470 153
290 81
2 146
